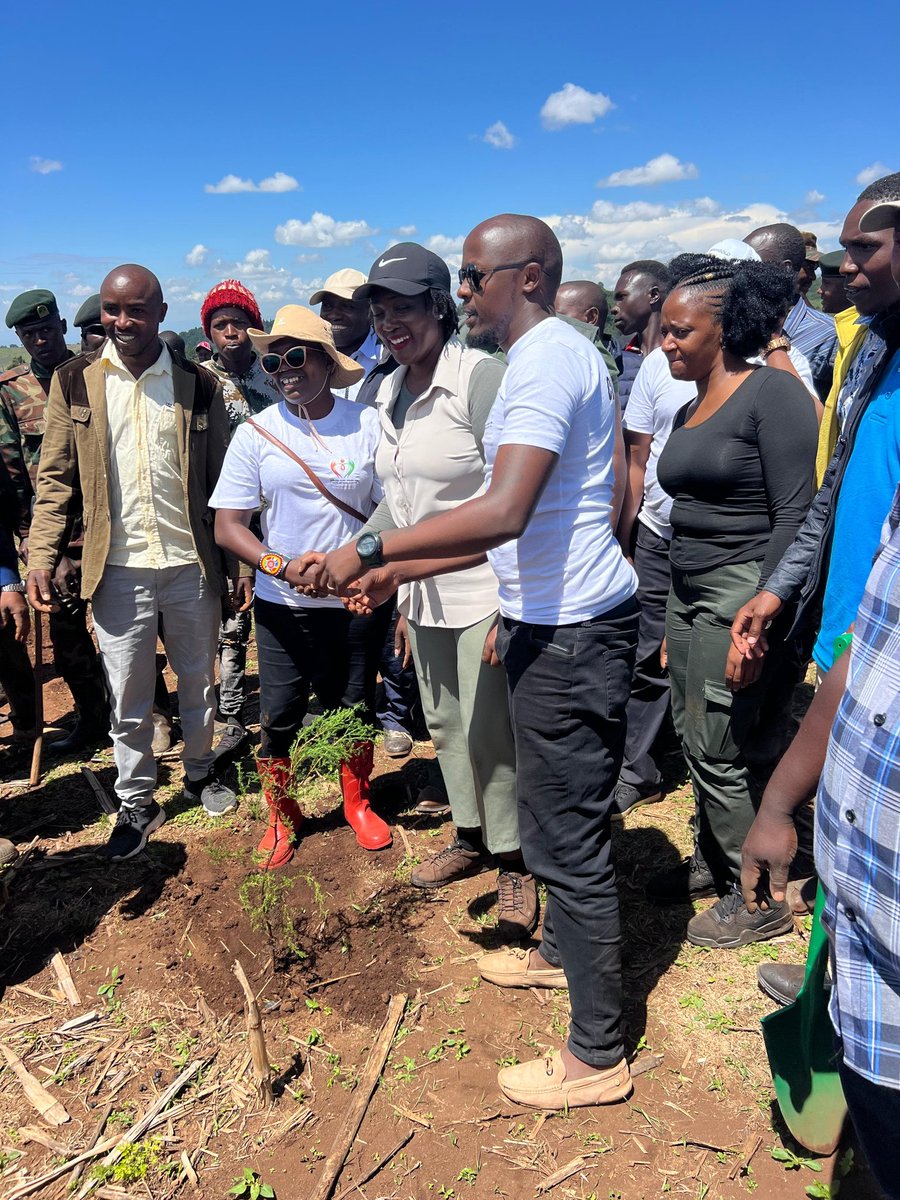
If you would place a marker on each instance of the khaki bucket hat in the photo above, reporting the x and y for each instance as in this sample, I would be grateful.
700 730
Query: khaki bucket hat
295 321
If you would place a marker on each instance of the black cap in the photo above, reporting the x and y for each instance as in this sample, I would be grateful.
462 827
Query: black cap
30 307
89 313
408 269
830 264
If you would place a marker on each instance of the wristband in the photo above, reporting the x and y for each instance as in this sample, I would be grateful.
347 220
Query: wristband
781 342
841 644
272 564
13 587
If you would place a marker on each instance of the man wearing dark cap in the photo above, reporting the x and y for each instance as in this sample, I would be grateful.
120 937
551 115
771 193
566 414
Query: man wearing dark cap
87 319
810 264
23 399
811 331
834 298
228 311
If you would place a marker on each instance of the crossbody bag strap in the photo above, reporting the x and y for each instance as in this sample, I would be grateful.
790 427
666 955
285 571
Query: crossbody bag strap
313 477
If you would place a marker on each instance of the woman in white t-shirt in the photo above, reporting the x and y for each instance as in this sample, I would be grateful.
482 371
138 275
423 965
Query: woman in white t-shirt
309 463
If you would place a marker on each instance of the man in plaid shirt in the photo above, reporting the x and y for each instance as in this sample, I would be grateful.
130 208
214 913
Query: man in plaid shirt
857 850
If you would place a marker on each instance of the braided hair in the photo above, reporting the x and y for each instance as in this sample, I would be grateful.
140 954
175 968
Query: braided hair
444 309
748 299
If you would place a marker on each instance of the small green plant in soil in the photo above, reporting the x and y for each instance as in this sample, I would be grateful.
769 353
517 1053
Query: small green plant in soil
108 990
326 742
792 1161
136 1161
249 1186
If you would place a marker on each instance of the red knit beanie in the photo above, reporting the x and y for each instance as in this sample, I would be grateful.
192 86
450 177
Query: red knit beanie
230 293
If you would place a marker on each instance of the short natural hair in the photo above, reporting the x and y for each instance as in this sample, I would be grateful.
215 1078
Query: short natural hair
653 269
886 188
748 299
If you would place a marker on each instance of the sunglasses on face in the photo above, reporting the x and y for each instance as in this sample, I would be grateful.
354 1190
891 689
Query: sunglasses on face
295 357
476 279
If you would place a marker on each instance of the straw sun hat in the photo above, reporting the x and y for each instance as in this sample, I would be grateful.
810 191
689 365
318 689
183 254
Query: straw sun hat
295 321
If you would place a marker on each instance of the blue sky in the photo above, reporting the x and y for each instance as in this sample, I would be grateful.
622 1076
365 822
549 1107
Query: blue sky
637 131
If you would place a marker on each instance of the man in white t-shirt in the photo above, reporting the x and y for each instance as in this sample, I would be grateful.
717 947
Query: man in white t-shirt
645 533
567 635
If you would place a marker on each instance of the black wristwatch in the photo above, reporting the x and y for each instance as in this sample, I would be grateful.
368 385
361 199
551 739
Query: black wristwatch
369 549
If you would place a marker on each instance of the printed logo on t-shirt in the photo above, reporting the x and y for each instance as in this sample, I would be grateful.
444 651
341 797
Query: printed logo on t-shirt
342 467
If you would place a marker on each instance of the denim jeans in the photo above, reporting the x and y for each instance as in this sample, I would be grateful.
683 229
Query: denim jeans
568 688
323 650
234 634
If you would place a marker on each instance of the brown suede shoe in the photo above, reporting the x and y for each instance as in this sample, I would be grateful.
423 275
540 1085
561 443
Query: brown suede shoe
452 863
542 1083
509 968
517 905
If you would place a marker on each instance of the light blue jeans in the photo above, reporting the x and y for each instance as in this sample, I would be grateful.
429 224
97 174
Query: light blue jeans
126 606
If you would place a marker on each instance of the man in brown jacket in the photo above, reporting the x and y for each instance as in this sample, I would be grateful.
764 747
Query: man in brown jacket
135 437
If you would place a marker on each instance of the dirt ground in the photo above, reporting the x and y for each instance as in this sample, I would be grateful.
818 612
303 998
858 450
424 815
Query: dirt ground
326 943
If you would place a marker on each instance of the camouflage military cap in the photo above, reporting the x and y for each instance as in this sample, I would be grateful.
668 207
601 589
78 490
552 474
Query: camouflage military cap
830 264
89 313
36 305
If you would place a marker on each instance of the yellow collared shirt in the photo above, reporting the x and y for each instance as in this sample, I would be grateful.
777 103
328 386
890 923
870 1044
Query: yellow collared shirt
150 526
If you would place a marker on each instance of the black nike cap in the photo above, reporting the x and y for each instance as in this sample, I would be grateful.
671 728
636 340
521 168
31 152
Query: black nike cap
408 269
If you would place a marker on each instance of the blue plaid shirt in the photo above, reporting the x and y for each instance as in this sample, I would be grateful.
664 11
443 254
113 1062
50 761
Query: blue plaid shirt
858 829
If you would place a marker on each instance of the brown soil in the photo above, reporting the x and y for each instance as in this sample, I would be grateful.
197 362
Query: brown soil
344 932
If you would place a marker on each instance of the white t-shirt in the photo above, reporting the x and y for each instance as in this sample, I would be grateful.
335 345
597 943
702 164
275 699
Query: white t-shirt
295 516
556 394
655 399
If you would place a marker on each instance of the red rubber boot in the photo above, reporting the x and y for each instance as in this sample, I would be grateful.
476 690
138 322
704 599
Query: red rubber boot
371 832
277 846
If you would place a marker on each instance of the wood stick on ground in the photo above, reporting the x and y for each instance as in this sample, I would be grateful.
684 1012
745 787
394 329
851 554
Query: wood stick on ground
255 1037
66 982
565 1172
35 776
749 1148
328 982
137 1131
95 1136
33 1133
46 1105
100 793
348 1191
41 1181
360 1101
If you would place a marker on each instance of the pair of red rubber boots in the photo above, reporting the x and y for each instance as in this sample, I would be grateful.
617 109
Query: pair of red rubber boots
277 846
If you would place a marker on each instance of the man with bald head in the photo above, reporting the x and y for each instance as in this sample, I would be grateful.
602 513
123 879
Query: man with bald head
555 475
584 301
134 442
811 331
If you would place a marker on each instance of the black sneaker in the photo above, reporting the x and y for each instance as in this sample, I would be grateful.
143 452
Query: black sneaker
729 923
231 740
215 797
627 797
82 737
134 824
690 880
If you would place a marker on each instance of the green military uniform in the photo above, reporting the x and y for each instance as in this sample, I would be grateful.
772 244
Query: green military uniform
23 402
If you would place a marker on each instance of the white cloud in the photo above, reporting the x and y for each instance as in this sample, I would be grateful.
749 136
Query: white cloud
869 174
574 106
406 231
81 289
197 256
321 231
665 168
230 184
813 197
44 166
498 136
597 244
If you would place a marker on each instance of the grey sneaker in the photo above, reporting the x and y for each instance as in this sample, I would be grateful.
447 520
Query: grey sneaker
216 798
396 743
134 824
729 923
232 739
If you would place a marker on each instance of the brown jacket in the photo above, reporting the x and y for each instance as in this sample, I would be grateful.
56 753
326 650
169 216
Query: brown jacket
73 479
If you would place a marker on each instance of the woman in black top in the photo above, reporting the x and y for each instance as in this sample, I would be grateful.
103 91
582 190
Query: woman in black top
739 466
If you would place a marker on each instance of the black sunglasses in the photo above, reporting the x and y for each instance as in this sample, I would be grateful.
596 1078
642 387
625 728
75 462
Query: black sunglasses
295 357
475 278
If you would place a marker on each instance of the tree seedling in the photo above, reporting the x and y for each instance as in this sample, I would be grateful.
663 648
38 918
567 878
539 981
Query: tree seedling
249 1186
